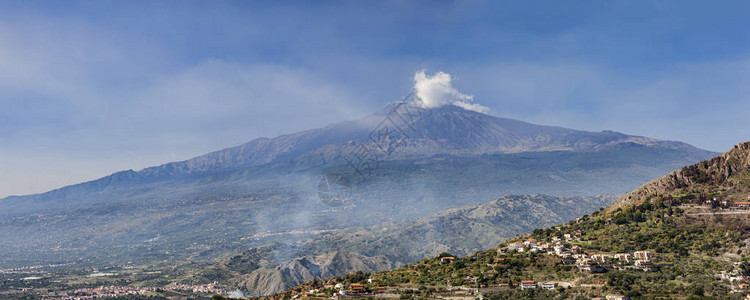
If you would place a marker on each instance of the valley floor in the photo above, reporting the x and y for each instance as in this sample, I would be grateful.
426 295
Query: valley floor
67 282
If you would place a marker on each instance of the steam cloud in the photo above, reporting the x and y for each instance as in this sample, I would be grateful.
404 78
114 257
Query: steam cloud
436 91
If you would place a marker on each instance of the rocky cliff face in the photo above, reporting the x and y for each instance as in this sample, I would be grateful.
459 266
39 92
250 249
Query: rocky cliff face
715 172
300 270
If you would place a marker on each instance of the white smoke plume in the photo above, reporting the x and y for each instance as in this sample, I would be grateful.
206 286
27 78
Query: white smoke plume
437 90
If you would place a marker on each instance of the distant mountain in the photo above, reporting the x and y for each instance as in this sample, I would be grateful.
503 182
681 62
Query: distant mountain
444 130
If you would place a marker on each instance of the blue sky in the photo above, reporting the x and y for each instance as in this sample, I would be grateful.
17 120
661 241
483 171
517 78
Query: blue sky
89 88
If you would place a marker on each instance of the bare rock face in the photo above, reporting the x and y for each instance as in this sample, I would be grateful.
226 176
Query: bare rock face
715 171
302 270
268 280
264 281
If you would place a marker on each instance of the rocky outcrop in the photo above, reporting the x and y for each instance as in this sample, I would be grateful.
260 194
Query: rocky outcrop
304 269
715 172
264 281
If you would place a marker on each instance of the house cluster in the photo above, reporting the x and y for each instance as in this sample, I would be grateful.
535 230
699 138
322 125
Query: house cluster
597 263
530 284
715 203
532 245
120 291
210 288
737 281
37 269
340 290
594 263
100 292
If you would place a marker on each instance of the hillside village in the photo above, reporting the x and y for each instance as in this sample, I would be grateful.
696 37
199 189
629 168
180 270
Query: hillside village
585 262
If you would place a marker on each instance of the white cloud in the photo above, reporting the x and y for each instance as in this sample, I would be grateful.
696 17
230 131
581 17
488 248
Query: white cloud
437 90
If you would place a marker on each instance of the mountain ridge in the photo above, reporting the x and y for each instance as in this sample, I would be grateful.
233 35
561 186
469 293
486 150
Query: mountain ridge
437 133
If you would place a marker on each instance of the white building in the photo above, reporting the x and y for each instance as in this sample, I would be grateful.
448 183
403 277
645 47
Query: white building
528 284
549 285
